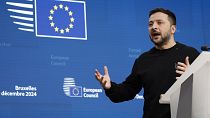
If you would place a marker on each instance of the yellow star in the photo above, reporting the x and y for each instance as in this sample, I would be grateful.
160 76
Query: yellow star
61 6
50 17
72 19
67 29
52 24
62 31
70 13
55 7
66 8
56 29
51 11
71 26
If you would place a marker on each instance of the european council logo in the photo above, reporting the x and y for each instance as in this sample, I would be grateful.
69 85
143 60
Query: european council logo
52 18
70 89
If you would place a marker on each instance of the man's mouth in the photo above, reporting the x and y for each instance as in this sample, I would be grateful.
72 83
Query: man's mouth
154 34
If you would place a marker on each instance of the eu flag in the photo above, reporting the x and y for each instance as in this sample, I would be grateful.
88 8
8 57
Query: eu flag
60 19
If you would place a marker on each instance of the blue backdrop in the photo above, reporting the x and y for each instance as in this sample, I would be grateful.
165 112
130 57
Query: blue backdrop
46 72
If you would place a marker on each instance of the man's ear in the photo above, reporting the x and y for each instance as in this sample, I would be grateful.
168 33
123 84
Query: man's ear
173 29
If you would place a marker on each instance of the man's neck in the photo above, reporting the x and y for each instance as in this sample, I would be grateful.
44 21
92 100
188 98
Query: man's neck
167 45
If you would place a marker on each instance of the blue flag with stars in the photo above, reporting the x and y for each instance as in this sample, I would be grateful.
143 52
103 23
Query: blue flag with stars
60 19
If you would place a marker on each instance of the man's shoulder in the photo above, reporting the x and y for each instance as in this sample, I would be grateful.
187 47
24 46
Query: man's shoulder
146 54
185 47
188 51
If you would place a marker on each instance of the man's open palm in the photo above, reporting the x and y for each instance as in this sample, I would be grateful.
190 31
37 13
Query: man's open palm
103 79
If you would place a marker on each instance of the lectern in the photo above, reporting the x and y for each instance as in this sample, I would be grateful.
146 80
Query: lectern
189 96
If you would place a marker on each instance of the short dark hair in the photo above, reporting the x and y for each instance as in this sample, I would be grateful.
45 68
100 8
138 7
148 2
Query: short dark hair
170 14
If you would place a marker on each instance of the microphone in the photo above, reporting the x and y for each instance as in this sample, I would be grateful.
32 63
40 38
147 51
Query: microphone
205 48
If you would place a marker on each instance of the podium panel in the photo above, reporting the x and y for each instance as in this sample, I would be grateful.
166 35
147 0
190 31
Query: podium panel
189 96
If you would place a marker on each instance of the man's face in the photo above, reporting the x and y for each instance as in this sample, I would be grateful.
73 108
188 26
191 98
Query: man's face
160 28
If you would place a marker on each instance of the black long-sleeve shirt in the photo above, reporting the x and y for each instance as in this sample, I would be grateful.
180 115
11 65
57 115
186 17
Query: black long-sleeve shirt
155 71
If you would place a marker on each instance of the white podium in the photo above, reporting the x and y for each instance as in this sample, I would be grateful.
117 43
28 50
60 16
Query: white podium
189 96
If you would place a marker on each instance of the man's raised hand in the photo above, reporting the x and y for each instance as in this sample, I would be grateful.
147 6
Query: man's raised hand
103 79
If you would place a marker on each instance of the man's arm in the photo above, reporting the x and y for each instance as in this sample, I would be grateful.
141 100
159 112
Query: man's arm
125 91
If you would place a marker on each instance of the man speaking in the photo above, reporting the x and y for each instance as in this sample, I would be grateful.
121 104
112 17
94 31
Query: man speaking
155 70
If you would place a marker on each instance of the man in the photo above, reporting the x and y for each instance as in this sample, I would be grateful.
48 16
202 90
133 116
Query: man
155 70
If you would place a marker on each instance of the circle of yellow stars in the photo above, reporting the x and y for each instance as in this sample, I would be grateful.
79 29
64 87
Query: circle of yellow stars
71 19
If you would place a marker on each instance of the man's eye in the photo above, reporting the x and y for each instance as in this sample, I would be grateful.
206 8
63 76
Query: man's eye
150 24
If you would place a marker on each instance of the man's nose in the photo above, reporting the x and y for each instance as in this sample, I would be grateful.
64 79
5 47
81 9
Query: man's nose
154 26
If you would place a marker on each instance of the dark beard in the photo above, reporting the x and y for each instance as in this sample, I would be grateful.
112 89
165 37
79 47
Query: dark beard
163 41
